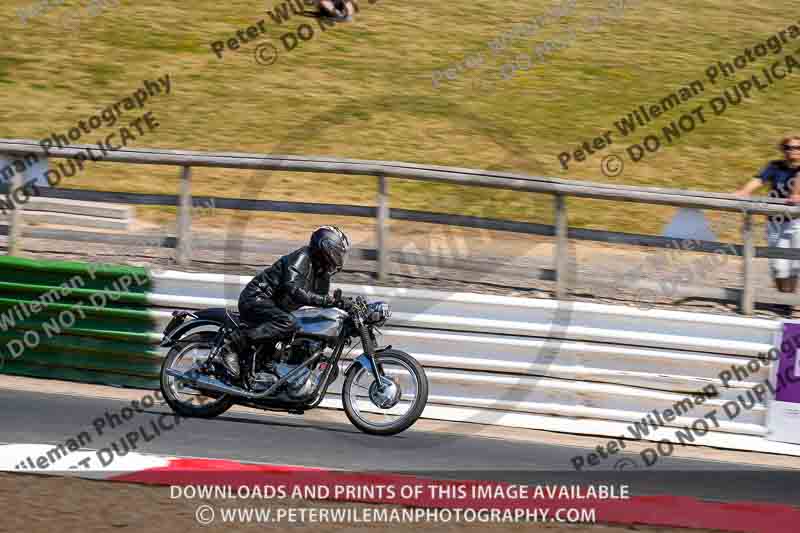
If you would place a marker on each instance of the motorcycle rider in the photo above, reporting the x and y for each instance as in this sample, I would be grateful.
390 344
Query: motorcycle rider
295 280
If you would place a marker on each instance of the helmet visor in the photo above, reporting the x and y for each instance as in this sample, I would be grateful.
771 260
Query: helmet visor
334 256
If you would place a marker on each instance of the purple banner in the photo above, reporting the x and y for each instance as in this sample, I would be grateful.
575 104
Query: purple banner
788 377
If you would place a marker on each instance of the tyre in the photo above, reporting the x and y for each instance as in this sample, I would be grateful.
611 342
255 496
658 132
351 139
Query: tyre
404 406
185 400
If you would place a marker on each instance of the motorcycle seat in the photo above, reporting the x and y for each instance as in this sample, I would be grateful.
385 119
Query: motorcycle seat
233 319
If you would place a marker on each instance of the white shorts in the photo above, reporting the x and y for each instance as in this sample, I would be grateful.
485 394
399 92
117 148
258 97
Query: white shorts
784 235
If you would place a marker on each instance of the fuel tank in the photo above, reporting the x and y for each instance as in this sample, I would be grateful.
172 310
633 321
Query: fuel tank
317 322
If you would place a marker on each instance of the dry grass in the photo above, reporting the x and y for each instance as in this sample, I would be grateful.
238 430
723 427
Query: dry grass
364 90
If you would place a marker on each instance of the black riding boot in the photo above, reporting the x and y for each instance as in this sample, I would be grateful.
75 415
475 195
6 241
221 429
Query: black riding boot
230 358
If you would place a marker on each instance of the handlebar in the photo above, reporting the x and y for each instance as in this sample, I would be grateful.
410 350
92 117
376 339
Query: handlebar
346 304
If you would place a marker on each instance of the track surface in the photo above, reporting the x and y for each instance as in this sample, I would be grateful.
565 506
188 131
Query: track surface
31 417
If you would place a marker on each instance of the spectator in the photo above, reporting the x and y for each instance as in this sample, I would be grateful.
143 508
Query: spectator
340 10
781 233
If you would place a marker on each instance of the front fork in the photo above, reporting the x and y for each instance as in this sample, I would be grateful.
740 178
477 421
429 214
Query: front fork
367 359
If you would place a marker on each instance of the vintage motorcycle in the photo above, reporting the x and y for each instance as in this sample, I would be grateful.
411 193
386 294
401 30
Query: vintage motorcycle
384 390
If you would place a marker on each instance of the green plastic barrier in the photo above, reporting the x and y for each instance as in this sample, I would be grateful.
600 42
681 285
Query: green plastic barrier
78 321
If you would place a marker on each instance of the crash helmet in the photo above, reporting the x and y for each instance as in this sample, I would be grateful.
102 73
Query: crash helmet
329 248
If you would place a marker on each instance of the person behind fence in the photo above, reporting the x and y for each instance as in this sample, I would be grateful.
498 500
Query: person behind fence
295 280
782 232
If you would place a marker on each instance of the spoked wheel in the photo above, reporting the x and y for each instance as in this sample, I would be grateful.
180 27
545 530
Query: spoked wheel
397 406
185 400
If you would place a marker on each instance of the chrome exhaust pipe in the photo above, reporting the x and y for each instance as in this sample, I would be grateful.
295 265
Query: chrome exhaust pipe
206 382
209 383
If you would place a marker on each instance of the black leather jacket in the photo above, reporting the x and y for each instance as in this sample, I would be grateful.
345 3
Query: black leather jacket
291 282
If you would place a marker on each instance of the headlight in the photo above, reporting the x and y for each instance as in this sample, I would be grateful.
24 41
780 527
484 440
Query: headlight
378 312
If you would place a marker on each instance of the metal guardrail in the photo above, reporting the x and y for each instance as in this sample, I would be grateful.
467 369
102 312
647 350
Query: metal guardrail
385 170
502 360
490 359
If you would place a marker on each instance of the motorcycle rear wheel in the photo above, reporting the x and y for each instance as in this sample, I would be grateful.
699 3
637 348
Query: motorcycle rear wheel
199 404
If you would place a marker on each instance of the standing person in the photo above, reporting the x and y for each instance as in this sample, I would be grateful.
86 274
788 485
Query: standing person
782 177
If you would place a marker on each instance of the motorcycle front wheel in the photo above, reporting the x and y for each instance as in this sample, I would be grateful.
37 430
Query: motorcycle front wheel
394 409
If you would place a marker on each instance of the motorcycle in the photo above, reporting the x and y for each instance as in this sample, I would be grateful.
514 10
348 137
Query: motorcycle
384 390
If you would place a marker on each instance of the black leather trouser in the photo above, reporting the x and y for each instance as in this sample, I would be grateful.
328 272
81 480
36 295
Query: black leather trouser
265 319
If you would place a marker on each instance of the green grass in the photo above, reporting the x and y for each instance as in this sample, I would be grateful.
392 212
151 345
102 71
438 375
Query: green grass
7 66
363 90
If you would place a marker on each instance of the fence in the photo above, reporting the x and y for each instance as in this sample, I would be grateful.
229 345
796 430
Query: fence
384 171
529 362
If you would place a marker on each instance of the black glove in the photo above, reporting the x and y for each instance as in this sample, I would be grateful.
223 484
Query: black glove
328 301
346 304
337 299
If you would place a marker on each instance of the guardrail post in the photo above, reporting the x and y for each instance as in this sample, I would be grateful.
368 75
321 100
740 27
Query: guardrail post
383 227
184 251
561 248
748 253
15 221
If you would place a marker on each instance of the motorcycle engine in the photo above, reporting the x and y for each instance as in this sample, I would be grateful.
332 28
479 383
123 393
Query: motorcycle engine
300 351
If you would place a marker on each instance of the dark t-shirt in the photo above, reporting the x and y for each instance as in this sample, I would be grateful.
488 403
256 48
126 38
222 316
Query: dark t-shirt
778 175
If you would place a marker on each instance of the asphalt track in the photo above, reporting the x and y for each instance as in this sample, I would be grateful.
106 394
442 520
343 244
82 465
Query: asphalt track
331 442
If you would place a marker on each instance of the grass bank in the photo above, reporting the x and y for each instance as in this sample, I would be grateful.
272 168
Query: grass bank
364 90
